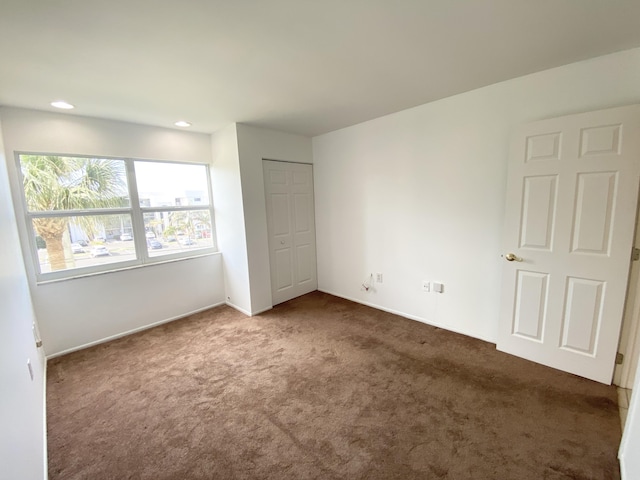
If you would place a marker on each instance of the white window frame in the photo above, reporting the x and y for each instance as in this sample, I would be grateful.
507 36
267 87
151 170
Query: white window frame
134 210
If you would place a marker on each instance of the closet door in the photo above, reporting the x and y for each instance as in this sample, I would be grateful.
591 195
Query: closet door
291 227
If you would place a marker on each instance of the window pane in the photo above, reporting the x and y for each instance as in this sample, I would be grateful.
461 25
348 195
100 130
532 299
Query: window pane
73 183
66 243
171 184
175 232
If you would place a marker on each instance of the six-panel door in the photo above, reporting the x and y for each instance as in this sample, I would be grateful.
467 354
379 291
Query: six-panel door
570 215
291 228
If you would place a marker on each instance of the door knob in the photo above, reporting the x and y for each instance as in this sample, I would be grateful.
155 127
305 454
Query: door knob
510 257
281 242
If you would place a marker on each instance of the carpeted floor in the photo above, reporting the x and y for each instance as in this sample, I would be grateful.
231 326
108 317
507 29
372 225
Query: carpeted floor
321 388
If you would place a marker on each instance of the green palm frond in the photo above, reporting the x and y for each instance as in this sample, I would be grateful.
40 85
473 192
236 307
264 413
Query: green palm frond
71 183
53 183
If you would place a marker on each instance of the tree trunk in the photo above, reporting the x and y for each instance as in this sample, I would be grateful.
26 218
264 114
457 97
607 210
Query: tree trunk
52 230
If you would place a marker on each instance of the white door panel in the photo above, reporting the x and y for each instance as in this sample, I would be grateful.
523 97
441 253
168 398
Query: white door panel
530 305
538 211
582 315
280 209
283 263
291 227
301 208
572 192
305 267
593 215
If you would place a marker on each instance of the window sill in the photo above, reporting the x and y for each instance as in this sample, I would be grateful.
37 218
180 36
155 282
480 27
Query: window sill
123 269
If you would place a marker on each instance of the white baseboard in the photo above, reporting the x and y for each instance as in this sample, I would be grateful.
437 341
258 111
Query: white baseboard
407 315
132 331
262 311
240 309
246 312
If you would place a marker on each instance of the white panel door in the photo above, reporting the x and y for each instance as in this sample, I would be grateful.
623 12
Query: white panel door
572 192
291 227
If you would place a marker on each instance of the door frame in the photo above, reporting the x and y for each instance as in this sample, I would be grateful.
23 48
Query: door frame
629 344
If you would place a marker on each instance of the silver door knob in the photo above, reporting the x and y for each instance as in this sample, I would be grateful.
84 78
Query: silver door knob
511 257
281 242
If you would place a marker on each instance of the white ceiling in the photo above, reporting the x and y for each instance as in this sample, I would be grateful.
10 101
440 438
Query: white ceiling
301 66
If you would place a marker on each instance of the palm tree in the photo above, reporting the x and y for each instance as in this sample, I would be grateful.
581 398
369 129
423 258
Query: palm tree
54 183
188 221
181 221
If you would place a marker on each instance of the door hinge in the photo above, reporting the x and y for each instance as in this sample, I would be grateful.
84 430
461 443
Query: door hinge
36 335
636 254
619 358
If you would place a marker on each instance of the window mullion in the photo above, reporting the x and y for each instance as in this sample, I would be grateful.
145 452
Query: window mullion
79 213
185 208
137 221
214 236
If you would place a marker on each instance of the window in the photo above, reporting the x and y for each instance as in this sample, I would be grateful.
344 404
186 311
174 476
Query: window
89 214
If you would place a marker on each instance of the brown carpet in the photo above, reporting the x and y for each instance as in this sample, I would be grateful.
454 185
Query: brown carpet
321 388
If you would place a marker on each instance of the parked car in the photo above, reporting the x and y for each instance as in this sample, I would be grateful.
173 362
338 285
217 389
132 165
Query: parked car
125 237
150 235
187 241
76 248
154 244
100 251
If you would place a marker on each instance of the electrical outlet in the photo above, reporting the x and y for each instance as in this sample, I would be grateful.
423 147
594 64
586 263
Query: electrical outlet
379 277
426 286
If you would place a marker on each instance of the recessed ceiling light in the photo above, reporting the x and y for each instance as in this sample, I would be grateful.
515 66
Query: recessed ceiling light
62 104
182 123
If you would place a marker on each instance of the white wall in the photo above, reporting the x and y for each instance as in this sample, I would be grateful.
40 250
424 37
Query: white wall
75 313
80 312
256 144
239 202
22 446
630 445
229 213
418 195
